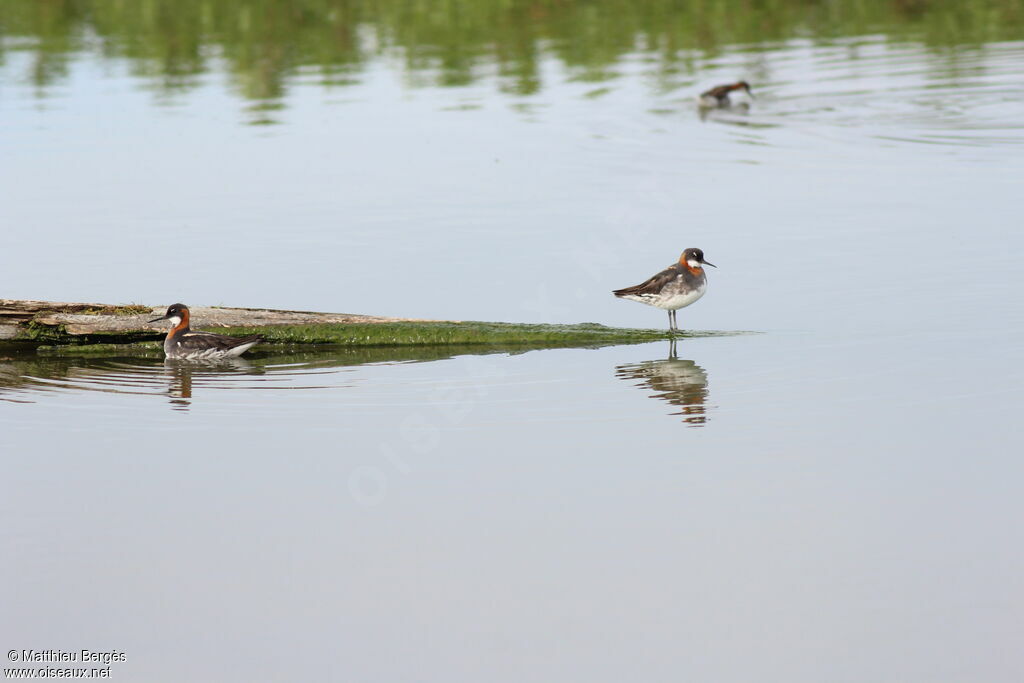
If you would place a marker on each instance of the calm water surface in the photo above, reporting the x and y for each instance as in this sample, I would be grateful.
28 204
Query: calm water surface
833 498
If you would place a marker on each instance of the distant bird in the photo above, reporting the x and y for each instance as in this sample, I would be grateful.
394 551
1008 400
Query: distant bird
719 95
184 344
676 287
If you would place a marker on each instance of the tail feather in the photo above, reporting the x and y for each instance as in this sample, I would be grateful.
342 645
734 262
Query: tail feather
244 344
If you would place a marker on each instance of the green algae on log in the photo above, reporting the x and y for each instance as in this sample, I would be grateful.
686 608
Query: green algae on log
46 322
41 323
427 333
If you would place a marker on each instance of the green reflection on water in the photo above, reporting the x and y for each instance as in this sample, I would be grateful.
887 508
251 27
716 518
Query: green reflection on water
264 44
26 376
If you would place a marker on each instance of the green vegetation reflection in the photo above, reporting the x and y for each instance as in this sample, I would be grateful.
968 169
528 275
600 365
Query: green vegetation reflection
267 44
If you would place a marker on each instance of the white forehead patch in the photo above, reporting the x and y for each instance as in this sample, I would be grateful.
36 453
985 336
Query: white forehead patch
693 263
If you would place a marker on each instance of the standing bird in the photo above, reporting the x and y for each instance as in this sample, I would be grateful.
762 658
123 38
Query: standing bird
719 95
184 344
676 287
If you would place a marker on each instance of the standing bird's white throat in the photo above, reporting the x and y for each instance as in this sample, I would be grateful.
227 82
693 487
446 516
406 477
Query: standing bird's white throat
184 344
676 287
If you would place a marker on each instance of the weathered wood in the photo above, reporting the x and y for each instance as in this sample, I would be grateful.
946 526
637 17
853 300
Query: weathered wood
85 319
16 308
45 323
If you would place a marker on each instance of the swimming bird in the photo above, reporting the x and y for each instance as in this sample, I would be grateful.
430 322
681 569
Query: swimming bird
719 95
183 343
676 287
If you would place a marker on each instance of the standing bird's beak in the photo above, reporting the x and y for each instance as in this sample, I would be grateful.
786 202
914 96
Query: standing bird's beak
709 263
156 320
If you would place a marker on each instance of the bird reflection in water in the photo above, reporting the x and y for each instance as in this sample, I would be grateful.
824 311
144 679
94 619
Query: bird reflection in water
725 115
27 376
182 372
682 383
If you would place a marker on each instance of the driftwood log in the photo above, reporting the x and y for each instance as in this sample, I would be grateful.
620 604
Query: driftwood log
46 324
16 317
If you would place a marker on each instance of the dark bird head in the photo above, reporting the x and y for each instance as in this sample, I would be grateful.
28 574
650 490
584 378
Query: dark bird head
694 258
176 313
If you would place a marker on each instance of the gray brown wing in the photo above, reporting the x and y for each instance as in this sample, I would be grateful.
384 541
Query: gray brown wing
216 342
652 285
718 91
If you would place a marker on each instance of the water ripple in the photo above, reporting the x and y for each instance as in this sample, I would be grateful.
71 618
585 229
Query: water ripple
23 379
898 93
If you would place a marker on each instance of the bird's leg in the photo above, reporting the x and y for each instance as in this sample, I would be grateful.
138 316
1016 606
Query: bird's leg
671 324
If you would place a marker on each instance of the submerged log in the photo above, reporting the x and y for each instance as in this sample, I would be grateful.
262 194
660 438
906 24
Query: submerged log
29 320
55 323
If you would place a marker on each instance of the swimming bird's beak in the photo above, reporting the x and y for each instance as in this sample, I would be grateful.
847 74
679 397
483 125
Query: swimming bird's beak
709 263
156 320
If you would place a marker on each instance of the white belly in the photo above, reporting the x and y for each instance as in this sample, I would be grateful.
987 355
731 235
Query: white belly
670 302
677 301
